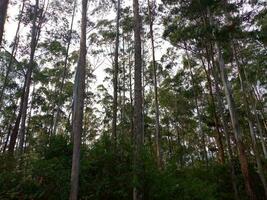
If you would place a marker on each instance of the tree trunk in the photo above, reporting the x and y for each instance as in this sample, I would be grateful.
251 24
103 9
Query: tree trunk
263 145
124 85
248 92
15 45
155 82
138 125
233 115
257 156
236 126
55 123
204 153
143 87
245 91
15 130
224 122
7 138
78 104
131 95
3 12
28 76
218 137
115 75
28 132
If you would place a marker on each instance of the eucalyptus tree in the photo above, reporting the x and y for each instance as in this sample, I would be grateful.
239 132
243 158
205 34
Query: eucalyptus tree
21 116
13 53
155 82
115 76
3 13
78 106
138 123
64 74
36 28
177 102
206 32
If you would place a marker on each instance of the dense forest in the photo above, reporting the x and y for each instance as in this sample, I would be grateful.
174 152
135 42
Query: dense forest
133 99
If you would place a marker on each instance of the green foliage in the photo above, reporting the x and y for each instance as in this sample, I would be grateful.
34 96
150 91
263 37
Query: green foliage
106 173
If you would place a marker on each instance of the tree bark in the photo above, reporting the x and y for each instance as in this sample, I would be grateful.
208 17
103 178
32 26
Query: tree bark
15 130
131 95
245 89
236 126
263 145
78 104
124 85
3 13
218 137
223 118
155 85
233 115
138 123
28 77
115 75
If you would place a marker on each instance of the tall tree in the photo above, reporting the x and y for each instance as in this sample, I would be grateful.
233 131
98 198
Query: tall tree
3 12
155 85
78 105
15 45
138 122
61 87
22 113
115 74
236 126
233 115
28 78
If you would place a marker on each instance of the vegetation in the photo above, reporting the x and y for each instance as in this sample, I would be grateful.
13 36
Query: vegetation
133 100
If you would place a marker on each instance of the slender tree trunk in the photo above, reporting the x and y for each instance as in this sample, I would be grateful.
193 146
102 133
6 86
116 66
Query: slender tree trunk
155 82
15 130
223 120
115 75
28 132
263 145
15 45
124 84
131 96
143 87
246 90
261 111
7 138
204 154
234 117
218 137
236 126
250 97
138 123
59 104
78 104
34 36
3 12
257 156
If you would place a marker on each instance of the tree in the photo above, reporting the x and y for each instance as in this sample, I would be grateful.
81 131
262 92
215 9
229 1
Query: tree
15 45
138 123
115 74
3 12
78 106
63 78
155 82
28 78
22 113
